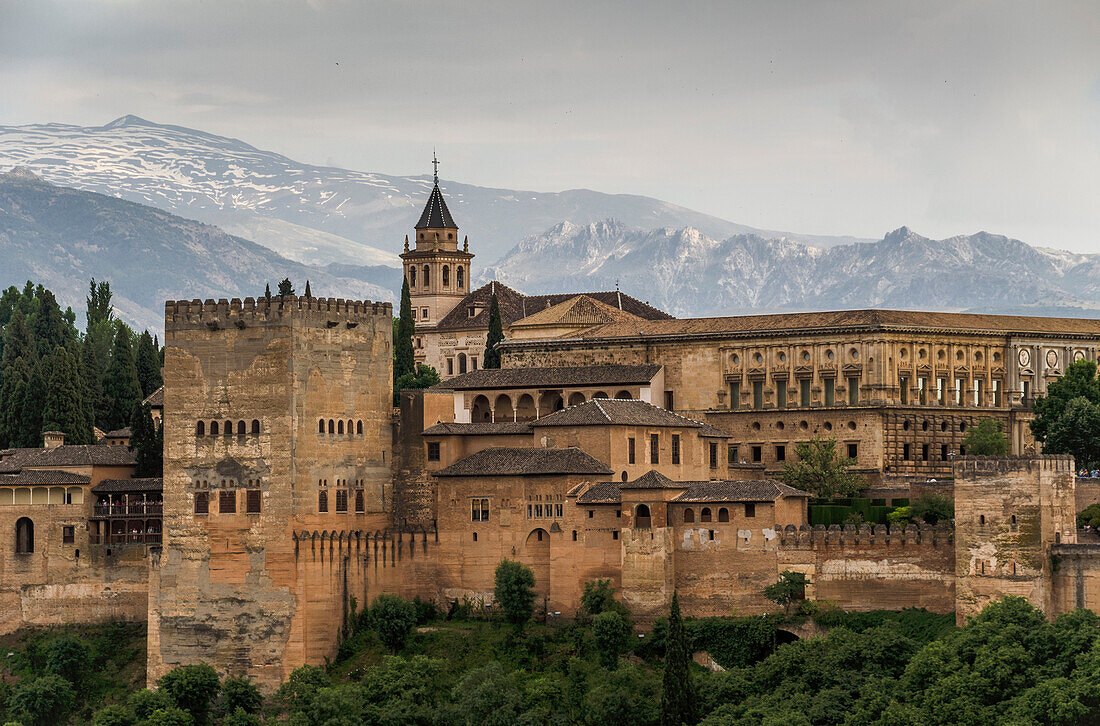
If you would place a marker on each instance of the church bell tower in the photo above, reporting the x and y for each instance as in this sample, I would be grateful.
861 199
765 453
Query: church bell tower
438 271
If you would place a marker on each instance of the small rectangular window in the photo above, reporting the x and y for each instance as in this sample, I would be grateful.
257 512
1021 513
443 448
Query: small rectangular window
322 501
922 391
591 512
781 394
202 503
433 451
960 386
903 385
941 391
630 451
758 395
905 452
227 501
423 313
615 534
479 510
654 448
450 366
804 393
68 534
713 455
979 391
735 395
731 454
341 500
853 391
830 392
538 511
780 452
252 501
924 452
675 448
359 508
943 452
557 510
531 511
750 509
853 451
997 398
757 454
473 362
668 400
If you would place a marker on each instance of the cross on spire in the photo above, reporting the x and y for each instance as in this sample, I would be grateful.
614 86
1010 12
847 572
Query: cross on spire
435 167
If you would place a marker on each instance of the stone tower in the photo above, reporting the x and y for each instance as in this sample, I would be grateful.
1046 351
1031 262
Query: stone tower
437 270
277 453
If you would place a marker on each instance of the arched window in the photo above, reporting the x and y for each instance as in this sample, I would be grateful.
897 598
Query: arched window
202 503
24 536
642 519
351 426
200 428
412 277
704 516
240 428
461 362
359 428
623 395
446 275
723 515
331 426
359 501
228 430
427 275
459 281
322 501
981 520
320 426
689 516
213 428
255 427
574 531
340 427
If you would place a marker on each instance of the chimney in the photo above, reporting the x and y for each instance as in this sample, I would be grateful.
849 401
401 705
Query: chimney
53 439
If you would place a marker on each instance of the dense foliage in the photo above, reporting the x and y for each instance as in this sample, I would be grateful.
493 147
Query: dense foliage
1067 418
491 358
819 469
514 591
987 438
54 378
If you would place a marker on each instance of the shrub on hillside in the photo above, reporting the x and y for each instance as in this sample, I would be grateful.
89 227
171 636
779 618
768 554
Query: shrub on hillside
392 618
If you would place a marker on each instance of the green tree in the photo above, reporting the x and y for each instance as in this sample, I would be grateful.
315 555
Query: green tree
821 470
144 702
286 287
612 636
191 688
240 693
392 618
299 689
34 403
171 716
986 439
14 380
790 587
932 507
17 342
403 360
120 384
678 691
68 657
64 408
514 591
50 327
114 715
1076 431
308 292
425 377
1089 516
488 696
92 374
98 303
42 701
148 365
491 357
267 292
1079 381
147 442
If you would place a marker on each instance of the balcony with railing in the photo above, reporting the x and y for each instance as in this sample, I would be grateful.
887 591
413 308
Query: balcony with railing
132 509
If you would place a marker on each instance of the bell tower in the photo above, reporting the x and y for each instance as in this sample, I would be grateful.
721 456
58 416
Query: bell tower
438 271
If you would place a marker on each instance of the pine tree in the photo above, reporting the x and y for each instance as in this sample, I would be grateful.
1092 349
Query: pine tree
92 374
13 390
286 287
30 418
120 384
99 303
403 360
491 359
63 407
50 328
146 441
148 365
308 293
17 342
678 695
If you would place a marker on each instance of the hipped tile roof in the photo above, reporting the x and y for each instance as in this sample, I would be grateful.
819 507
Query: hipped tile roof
554 377
151 484
525 462
485 428
42 477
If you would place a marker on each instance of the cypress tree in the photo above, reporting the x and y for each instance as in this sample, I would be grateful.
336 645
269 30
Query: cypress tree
267 292
50 327
98 303
403 360
12 392
120 384
63 407
34 401
17 341
146 443
148 365
308 293
678 694
491 358
92 373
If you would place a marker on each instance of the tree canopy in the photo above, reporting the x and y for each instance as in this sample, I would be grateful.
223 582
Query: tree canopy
987 438
820 469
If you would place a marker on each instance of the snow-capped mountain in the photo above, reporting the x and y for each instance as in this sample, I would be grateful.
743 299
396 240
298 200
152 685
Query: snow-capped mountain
688 273
61 237
311 214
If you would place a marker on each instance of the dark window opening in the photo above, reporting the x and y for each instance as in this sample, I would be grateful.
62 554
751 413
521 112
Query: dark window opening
227 502
757 454
675 448
750 509
654 448
723 515
202 503
200 428
322 501
359 508
341 500
255 427
252 501
433 451
853 451
68 534
731 453
24 536
780 452
689 516
629 451
705 515
713 455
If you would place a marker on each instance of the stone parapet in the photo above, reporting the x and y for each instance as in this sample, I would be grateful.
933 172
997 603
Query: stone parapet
997 465
223 313
879 535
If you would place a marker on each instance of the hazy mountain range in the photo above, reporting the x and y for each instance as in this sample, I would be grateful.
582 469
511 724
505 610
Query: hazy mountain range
342 229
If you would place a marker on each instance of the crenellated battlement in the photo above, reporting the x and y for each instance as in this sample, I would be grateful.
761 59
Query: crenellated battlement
864 536
223 313
995 465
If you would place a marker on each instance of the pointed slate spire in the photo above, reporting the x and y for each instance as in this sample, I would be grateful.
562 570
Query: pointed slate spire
435 214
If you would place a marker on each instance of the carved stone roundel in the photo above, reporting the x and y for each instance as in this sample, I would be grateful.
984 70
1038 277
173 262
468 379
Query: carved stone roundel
1025 357
1078 355
1052 358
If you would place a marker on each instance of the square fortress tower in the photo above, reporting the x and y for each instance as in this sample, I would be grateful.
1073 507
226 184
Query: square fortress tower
277 456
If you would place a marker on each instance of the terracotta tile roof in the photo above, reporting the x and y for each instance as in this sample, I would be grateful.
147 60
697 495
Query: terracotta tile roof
620 412
80 455
557 377
580 310
151 484
765 325
485 428
761 490
155 399
42 477
653 480
601 493
12 460
514 305
525 462
118 433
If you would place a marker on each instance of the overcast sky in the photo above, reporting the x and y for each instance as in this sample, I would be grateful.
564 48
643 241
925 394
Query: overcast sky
815 117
